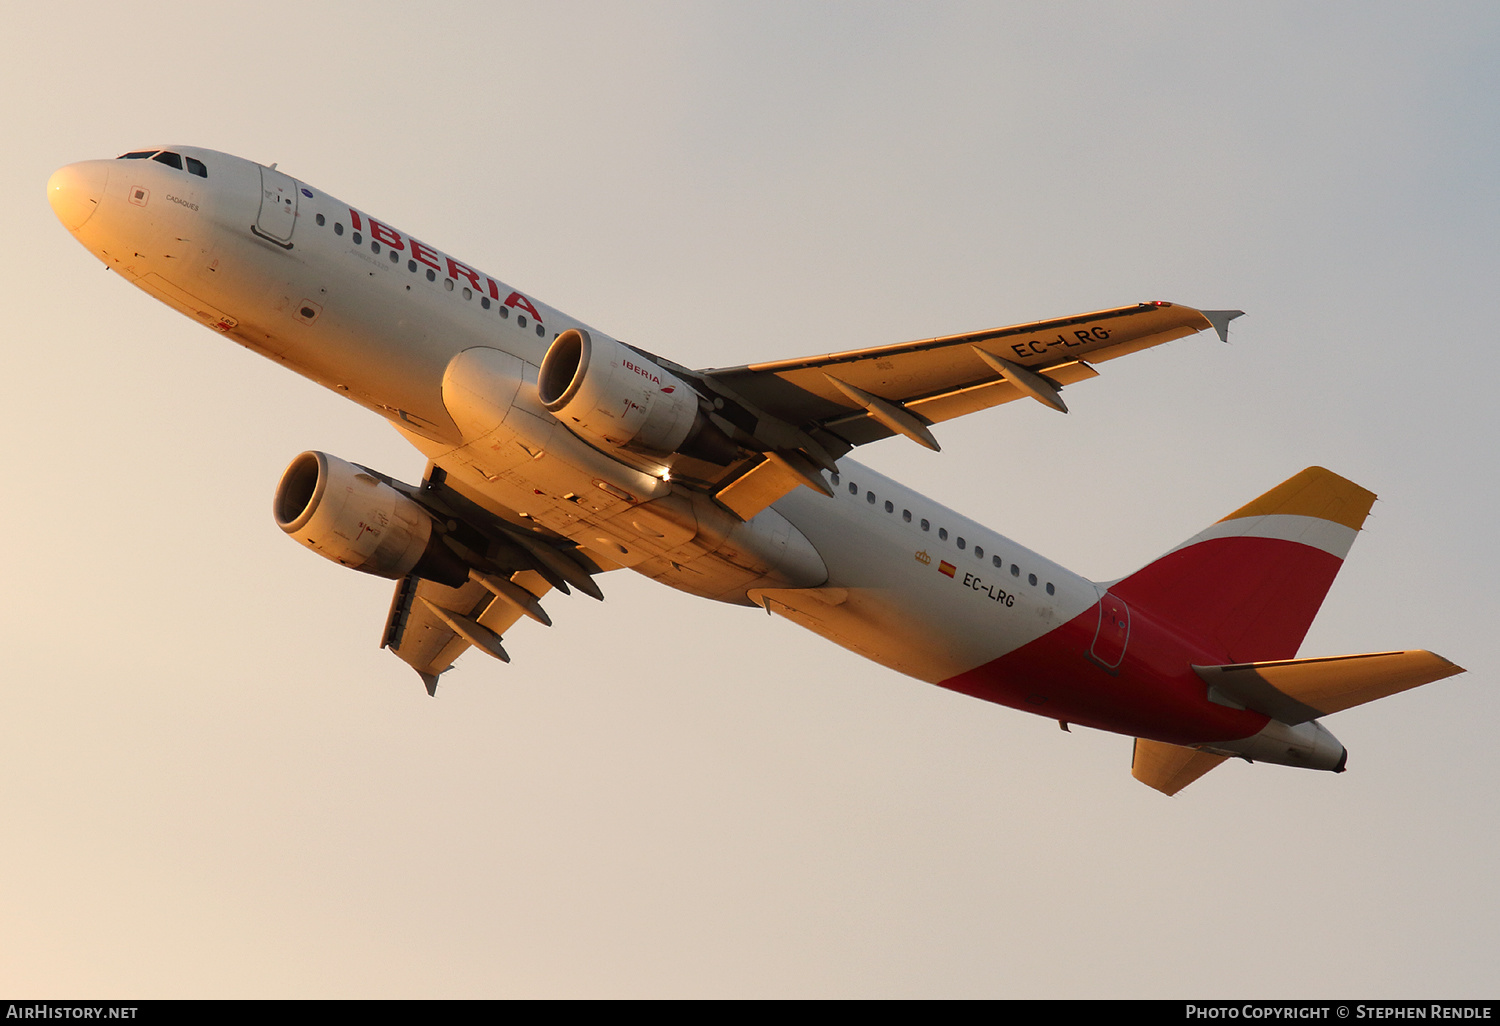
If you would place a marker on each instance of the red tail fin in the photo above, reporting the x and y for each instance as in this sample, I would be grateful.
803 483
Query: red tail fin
1251 584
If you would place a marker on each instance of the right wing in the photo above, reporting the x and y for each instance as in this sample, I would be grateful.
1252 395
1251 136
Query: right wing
797 417
938 379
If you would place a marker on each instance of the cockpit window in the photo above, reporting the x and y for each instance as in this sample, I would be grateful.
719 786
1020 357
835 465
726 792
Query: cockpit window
167 157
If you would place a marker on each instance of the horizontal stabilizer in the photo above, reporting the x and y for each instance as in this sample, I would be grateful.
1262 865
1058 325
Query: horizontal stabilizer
1297 690
1169 768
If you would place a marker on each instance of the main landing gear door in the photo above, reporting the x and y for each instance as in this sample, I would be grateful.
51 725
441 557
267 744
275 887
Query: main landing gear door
1112 634
278 207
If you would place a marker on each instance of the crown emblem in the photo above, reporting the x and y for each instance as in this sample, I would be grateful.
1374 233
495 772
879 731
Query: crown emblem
924 558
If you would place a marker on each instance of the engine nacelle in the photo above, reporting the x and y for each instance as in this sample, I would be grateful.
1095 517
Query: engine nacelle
346 514
609 393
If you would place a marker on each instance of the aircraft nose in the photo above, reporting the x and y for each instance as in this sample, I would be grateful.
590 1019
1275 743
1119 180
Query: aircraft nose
75 191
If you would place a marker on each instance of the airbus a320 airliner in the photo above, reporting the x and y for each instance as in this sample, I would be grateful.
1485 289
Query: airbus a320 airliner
556 452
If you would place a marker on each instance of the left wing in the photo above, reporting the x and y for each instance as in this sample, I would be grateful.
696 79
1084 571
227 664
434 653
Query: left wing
430 624
801 415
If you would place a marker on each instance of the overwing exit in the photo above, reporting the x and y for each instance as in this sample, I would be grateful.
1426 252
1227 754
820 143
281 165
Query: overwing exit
556 452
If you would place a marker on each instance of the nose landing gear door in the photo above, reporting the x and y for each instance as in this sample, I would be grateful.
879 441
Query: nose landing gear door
278 207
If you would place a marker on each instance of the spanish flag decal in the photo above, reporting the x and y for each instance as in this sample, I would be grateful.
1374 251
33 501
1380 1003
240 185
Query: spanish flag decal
946 567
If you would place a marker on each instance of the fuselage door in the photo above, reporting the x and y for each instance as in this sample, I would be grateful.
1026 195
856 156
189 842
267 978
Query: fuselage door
1112 634
278 206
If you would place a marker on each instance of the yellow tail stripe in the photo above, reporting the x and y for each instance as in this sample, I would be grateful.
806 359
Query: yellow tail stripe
1315 493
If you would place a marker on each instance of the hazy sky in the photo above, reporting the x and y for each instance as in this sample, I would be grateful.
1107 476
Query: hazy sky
213 783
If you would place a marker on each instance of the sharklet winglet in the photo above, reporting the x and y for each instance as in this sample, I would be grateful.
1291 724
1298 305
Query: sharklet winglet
1220 320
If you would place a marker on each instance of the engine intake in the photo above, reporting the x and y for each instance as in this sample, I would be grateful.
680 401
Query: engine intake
346 514
608 392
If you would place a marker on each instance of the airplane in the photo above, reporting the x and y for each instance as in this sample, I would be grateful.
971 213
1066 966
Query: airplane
557 452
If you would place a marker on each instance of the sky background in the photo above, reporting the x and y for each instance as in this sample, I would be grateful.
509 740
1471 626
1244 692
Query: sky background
214 784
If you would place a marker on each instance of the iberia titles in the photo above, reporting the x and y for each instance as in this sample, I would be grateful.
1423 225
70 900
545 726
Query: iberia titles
439 263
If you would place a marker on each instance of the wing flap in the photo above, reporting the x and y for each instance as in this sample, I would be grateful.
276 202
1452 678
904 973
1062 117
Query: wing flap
1297 690
757 488
426 640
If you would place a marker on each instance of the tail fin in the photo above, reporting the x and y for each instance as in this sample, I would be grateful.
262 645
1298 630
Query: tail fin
1251 584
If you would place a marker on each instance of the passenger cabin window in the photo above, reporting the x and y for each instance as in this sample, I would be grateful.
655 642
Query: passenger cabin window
169 159
943 533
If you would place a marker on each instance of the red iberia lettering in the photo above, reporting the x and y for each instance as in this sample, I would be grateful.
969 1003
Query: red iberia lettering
643 372
387 235
425 253
458 270
517 300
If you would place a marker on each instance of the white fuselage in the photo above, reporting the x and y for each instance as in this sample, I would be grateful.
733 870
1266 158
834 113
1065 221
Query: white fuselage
379 317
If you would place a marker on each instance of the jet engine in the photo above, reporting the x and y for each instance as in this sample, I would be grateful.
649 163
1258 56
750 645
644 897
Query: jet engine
610 393
347 514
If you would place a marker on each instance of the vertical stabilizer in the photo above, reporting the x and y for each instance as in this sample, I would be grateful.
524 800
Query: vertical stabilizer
1250 585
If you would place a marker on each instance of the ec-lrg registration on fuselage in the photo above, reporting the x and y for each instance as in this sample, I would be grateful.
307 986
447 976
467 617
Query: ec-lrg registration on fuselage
556 452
